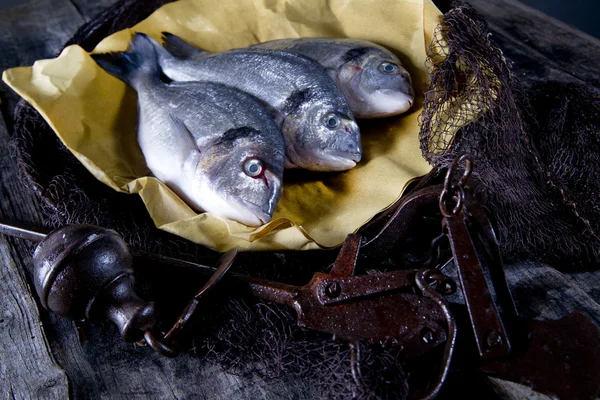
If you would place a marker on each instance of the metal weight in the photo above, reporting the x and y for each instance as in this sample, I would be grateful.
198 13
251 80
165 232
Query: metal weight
85 272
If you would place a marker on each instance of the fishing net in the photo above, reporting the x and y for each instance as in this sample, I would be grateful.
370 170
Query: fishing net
535 147
536 150
266 338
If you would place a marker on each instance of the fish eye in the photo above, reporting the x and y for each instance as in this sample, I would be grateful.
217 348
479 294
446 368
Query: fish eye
253 167
332 121
388 67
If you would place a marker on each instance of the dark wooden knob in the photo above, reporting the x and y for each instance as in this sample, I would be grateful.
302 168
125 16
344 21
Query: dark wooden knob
85 272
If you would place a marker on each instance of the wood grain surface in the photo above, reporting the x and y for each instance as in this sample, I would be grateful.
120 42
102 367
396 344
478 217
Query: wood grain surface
28 369
540 47
42 356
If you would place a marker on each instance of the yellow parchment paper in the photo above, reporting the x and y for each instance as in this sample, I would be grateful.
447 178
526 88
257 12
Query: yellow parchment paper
94 114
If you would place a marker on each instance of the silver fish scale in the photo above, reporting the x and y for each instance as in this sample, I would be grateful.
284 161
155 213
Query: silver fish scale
299 93
356 66
200 138
328 52
178 118
206 109
271 76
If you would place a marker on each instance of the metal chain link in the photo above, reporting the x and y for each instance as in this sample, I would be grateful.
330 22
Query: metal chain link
453 191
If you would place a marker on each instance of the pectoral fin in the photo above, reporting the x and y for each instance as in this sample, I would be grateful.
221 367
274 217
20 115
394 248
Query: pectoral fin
183 131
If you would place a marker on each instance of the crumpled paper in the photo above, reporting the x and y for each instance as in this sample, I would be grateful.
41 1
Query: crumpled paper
94 114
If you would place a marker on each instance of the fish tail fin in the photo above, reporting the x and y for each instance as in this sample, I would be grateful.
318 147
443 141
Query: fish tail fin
139 63
179 47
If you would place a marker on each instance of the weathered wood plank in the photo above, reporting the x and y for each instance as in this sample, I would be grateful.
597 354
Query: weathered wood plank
31 367
542 292
539 45
588 282
29 32
27 368
89 9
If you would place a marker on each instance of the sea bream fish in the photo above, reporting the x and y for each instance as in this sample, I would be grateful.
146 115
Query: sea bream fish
318 128
213 145
371 77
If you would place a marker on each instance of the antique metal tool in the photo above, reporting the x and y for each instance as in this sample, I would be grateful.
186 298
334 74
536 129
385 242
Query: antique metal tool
84 272
560 358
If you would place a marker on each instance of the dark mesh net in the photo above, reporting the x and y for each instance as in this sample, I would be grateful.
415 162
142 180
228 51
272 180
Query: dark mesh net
535 148
263 338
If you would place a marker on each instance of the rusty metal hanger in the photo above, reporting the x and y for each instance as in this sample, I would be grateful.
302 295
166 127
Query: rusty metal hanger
560 358
403 307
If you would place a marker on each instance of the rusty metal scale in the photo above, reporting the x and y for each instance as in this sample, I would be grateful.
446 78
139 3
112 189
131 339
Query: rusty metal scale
85 272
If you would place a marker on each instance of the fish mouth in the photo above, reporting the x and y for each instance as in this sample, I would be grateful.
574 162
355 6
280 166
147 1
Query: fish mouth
339 160
251 214
388 102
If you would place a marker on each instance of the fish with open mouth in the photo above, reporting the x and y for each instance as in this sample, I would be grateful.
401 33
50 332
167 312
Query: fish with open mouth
213 145
318 128
371 77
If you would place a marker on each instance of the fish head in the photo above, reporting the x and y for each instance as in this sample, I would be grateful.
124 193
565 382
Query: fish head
376 85
240 176
321 137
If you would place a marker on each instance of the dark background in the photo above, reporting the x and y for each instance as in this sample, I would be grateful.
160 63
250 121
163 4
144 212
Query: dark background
582 14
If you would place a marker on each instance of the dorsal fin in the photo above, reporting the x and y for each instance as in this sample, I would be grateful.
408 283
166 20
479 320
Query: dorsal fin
179 47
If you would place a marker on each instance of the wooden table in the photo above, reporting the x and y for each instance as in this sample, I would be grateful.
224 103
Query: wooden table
41 355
